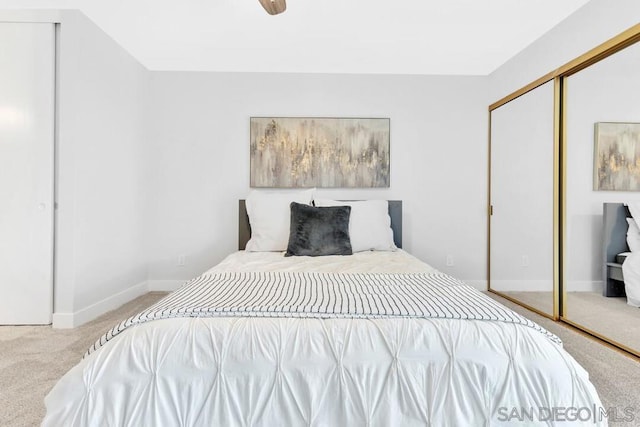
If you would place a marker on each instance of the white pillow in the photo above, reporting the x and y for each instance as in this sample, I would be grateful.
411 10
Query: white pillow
369 224
270 218
634 210
633 235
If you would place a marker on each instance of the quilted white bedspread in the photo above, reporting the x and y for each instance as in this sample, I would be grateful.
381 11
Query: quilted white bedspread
243 371
397 261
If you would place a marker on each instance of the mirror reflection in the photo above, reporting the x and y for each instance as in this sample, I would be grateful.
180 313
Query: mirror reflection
602 247
521 245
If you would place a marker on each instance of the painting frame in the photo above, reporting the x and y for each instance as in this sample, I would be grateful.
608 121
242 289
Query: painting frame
616 159
321 152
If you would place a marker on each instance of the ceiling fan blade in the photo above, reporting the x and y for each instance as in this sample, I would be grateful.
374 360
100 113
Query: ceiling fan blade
274 7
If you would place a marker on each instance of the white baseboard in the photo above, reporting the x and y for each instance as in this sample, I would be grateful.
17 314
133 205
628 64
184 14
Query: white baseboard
62 320
164 285
72 320
584 286
544 286
522 285
480 285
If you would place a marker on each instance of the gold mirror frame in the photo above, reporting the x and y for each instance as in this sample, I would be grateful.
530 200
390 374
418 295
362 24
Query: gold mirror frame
597 54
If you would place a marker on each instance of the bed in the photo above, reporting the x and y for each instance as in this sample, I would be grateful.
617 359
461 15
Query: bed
378 338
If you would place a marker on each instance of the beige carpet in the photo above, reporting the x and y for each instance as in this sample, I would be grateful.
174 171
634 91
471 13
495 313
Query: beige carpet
611 317
542 301
32 359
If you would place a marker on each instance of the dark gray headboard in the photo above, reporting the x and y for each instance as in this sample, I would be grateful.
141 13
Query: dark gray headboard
395 212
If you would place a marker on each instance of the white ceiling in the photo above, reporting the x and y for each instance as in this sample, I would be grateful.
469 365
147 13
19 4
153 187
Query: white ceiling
471 37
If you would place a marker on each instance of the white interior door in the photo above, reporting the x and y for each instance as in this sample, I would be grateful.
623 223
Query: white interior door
27 82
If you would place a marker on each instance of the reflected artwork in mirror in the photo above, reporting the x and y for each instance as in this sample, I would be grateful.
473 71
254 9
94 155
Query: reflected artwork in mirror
616 157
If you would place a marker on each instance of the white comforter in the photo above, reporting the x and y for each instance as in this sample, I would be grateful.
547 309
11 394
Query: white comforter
631 265
361 262
292 371
631 274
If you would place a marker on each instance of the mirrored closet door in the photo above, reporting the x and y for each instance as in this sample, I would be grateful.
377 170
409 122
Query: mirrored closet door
522 193
602 173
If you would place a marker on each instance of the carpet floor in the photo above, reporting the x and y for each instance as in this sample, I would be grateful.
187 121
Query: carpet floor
616 376
610 317
33 358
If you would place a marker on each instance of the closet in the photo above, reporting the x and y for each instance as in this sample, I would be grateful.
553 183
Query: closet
27 135
553 143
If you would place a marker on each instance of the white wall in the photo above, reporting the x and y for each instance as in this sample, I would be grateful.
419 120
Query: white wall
591 25
200 133
102 174
122 221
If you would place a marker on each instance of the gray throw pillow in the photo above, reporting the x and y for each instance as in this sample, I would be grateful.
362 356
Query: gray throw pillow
319 231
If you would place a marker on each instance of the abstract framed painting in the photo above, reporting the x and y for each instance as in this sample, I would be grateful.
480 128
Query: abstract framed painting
301 152
617 157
